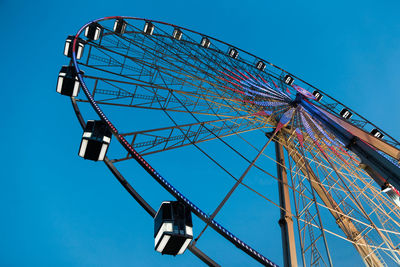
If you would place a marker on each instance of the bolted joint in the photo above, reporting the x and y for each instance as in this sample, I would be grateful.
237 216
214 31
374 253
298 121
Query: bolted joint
284 220
342 220
356 236
288 218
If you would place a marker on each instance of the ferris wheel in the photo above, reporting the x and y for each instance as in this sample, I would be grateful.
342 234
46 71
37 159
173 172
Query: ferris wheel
168 94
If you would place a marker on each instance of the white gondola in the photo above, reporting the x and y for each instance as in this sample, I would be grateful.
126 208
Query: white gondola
177 34
68 47
148 28
377 133
93 31
120 26
67 82
318 95
233 53
173 228
346 114
205 42
386 188
392 193
260 65
95 141
288 80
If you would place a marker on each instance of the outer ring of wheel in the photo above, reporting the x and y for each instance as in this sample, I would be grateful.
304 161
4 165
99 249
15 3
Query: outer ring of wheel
162 181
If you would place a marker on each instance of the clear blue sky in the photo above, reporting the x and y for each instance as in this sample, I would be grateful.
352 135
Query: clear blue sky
58 210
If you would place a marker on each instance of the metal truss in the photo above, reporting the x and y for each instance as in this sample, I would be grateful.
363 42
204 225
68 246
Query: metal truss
195 97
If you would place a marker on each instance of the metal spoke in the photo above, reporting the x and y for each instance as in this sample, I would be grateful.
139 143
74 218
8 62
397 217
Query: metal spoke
228 195
196 95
